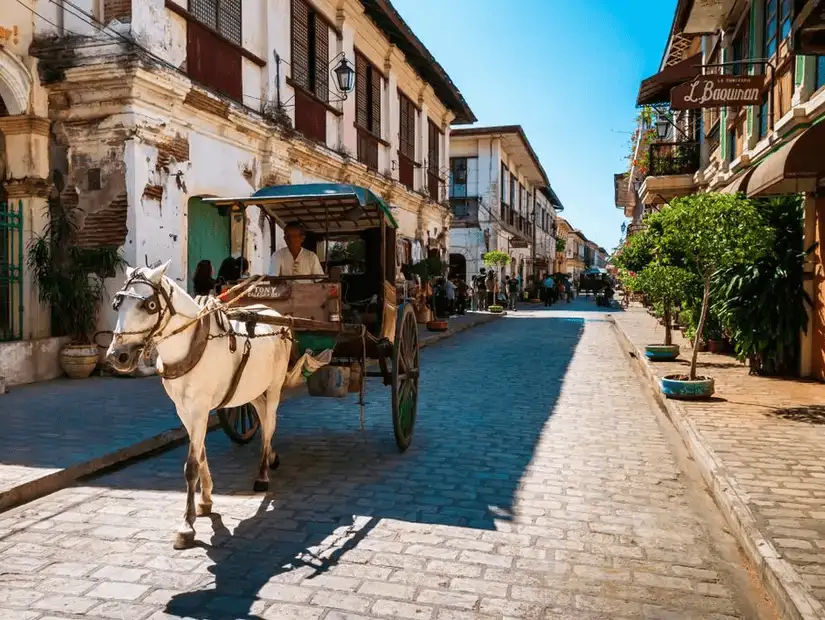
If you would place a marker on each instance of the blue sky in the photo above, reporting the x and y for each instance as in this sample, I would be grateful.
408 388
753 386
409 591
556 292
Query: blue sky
568 71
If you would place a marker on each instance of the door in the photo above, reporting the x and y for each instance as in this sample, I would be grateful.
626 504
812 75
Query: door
208 237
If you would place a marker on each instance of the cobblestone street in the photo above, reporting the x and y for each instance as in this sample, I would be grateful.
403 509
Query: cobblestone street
553 494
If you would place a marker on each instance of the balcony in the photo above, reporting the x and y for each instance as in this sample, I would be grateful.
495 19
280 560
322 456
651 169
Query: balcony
671 167
673 158
465 212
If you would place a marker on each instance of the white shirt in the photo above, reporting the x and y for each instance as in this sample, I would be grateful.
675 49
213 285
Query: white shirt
307 263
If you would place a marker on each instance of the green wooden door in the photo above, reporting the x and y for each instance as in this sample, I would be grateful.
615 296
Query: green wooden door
208 238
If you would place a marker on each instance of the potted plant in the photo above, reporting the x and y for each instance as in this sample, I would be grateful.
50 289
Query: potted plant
69 280
665 285
763 304
499 260
712 231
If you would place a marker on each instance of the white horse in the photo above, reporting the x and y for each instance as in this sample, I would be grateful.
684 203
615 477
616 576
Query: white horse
199 371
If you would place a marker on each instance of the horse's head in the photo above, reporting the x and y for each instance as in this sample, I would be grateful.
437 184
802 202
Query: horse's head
143 306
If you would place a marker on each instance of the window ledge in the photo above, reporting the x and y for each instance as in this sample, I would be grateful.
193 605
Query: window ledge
378 139
311 95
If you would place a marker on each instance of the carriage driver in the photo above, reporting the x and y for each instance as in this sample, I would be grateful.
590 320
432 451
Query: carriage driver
295 260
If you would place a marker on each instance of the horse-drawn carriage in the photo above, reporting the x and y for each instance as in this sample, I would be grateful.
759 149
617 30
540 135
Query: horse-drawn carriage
237 353
353 310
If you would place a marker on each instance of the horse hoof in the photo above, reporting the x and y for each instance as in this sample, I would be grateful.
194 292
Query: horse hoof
261 486
204 509
275 462
184 540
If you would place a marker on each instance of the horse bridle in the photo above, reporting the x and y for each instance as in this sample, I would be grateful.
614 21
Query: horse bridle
151 304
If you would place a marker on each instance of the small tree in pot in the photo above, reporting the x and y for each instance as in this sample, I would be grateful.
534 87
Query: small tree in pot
499 260
666 285
711 231
69 280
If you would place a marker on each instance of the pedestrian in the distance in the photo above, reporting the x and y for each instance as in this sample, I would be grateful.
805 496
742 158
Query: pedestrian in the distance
513 290
549 289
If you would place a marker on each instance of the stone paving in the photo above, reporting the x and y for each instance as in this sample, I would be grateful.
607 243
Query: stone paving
768 436
538 485
50 426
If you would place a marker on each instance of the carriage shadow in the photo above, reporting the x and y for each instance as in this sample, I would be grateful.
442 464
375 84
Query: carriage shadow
336 502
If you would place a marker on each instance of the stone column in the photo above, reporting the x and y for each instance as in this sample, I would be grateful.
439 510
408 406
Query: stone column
27 184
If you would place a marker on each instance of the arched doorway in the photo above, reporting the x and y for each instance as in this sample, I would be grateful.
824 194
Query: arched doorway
458 266
208 237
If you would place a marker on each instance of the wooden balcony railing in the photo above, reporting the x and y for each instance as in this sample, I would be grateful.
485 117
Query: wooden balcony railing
672 158
213 61
310 117
367 149
406 171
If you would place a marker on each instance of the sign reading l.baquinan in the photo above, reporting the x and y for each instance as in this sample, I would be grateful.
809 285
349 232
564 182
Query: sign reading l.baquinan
717 91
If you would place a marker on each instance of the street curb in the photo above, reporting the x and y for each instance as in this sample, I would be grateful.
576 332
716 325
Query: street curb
35 489
783 583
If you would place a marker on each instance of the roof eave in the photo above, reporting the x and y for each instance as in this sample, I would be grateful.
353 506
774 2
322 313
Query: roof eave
390 22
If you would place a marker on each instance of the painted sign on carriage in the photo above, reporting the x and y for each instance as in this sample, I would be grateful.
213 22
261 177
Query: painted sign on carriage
269 291
717 91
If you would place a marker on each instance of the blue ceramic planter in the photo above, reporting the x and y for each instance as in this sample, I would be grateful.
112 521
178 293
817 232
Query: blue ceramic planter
702 387
661 352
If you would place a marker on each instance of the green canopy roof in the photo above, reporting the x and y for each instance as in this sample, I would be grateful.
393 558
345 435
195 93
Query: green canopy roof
319 207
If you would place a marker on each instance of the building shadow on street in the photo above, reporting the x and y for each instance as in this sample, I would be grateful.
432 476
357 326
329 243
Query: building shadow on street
485 397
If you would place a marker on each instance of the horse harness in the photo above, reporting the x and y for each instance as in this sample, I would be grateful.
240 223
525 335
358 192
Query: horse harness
151 305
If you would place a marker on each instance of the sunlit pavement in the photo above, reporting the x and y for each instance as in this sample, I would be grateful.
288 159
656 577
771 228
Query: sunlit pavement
539 484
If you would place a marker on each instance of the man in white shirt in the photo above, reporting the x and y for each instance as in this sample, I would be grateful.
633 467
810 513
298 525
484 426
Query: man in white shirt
295 260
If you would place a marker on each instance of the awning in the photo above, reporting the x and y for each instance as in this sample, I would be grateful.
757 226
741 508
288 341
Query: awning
656 89
795 167
319 207
739 184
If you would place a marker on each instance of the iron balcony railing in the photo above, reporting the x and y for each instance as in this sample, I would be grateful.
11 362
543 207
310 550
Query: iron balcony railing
672 158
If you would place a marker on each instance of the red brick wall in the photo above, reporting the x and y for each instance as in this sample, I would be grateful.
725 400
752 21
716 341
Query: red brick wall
117 9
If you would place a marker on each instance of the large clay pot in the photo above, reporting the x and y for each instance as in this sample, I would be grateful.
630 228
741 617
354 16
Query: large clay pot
437 325
78 361
679 387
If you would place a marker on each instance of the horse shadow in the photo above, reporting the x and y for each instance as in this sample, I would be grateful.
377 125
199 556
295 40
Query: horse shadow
337 499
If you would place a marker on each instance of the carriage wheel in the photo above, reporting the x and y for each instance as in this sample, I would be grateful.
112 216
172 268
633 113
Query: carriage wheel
240 423
405 373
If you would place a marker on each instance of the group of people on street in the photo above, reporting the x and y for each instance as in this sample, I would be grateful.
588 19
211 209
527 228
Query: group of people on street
554 290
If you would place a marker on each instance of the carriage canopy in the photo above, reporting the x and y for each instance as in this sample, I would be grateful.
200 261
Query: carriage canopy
319 207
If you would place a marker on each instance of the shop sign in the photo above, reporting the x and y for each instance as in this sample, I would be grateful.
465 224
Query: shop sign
517 243
809 30
717 91
10 33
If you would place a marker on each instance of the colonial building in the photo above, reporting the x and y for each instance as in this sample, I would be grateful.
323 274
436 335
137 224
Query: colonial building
771 147
501 200
144 107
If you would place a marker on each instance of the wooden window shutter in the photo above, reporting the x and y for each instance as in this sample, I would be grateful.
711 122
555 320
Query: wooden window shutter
376 102
321 59
300 43
407 138
432 146
361 98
